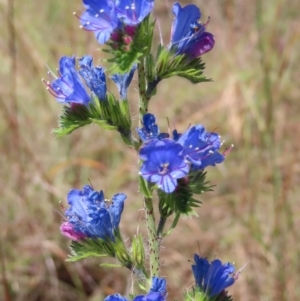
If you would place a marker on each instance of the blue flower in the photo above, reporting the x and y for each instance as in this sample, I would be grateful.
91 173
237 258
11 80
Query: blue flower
91 215
150 129
159 285
107 16
68 88
163 163
123 81
212 277
188 35
148 297
133 12
100 17
157 292
200 147
115 297
93 76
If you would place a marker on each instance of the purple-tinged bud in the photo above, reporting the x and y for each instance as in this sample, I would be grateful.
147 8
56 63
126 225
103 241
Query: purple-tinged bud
68 231
130 30
116 36
127 40
204 44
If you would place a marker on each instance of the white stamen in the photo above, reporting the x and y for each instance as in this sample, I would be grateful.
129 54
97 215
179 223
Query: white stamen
101 10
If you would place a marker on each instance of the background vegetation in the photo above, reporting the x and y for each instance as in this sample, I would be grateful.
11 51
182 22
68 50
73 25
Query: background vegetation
252 216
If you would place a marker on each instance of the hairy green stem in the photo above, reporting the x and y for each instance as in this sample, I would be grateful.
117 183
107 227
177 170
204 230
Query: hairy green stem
142 87
152 237
148 203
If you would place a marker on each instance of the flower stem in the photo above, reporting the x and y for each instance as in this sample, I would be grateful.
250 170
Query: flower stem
142 87
153 241
152 237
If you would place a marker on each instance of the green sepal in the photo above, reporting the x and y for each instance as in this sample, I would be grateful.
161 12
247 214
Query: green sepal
113 114
125 56
181 201
91 248
138 252
71 119
138 257
121 252
110 114
198 183
97 247
169 64
145 188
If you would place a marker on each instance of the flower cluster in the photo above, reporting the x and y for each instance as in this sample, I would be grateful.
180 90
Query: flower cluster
213 277
173 162
114 20
70 86
165 159
90 215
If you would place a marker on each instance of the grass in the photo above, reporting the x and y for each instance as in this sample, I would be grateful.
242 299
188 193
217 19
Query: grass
253 214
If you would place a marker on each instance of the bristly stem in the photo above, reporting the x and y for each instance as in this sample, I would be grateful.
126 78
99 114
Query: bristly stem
153 239
142 87
148 203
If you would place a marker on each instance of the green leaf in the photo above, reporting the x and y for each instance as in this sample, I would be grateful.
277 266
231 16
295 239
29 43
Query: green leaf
181 201
169 64
71 119
110 114
144 187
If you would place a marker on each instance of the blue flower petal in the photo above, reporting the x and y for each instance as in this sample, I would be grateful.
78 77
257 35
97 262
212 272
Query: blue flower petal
201 147
163 163
184 17
133 12
150 297
159 285
188 35
93 76
150 130
90 215
123 81
200 269
212 277
116 208
100 17
69 88
115 297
